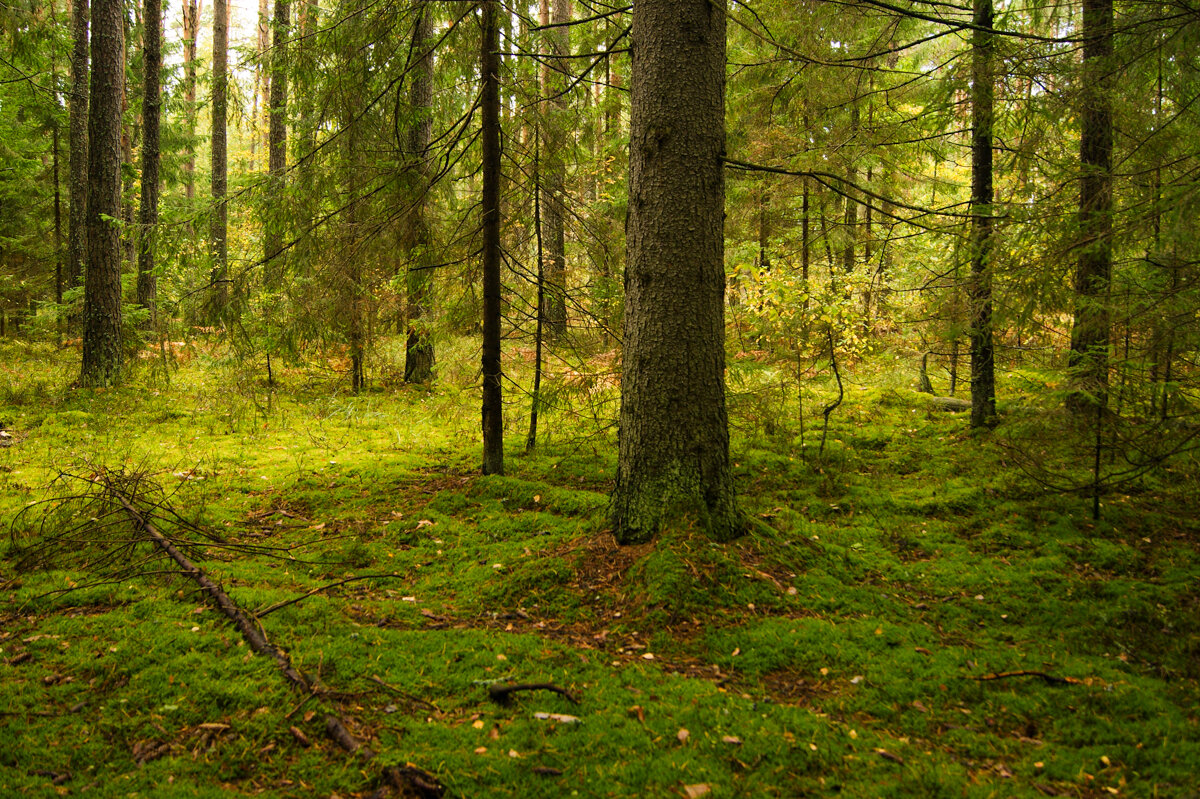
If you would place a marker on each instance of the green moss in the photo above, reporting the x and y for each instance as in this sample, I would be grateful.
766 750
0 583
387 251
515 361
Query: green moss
880 584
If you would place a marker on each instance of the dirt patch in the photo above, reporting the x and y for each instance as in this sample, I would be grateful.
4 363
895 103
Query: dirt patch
600 562
792 687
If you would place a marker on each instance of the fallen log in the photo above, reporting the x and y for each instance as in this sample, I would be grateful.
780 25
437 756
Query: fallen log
952 404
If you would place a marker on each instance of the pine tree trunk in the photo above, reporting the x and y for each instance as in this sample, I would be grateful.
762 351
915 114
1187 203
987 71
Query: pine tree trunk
147 284
554 311
102 289
277 146
191 33
351 251
851 204
418 355
129 134
78 145
493 408
1090 333
218 227
983 375
674 438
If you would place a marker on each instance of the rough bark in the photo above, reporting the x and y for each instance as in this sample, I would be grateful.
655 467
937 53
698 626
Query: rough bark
983 374
260 113
674 438
147 283
129 133
277 145
1090 334
218 226
78 145
191 32
554 303
493 408
102 287
418 355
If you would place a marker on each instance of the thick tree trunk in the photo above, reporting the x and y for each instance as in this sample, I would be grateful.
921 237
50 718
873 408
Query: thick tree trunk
554 112
983 374
277 146
102 289
1090 333
493 408
78 145
418 355
674 437
147 283
191 32
218 227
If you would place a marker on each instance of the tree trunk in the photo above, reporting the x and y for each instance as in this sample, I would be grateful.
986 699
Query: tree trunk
983 374
277 146
260 113
218 226
554 311
78 145
147 283
129 134
56 155
351 252
1090 334
493 408
674 437
102 290
191 32
418 354
851 203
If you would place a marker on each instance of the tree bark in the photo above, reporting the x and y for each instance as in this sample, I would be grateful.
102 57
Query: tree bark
1090 334
191 32
674 438
147 283
554 111
218 226
983 374
260 113
493 408
277 145
418 354
78 145
102 288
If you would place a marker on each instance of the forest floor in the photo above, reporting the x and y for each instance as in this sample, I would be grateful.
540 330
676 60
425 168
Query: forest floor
916 616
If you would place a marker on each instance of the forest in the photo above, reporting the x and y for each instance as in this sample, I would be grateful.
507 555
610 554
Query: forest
686 398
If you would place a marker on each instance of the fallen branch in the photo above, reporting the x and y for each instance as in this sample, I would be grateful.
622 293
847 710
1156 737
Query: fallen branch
1049 678
407 780
280 605
342 737
250 631
416 700
502 694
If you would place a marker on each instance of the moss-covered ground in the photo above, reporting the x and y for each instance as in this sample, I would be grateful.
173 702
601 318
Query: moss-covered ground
912 616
